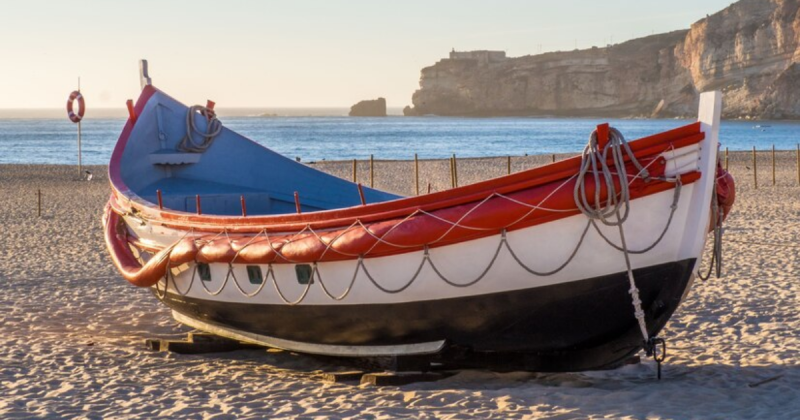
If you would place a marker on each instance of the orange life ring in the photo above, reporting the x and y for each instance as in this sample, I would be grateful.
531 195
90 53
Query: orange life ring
75 95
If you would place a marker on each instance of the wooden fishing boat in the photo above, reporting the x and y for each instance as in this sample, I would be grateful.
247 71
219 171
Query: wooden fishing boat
576 265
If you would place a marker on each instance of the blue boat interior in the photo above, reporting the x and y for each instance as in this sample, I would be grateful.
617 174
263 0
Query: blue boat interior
232 167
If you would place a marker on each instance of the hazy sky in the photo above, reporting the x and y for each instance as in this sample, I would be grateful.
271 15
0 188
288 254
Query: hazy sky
290 53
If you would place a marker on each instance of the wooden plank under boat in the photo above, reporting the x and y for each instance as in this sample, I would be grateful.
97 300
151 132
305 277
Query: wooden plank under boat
511 264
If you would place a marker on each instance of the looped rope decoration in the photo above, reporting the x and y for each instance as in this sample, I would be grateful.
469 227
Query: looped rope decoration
213 128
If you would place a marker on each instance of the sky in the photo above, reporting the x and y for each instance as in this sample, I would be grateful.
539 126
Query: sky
298 53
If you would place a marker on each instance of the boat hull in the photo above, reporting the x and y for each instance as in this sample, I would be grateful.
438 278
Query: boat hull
509 266
573 326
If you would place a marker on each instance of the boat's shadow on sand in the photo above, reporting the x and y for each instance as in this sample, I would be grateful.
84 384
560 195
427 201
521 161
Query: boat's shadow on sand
686 391
640 374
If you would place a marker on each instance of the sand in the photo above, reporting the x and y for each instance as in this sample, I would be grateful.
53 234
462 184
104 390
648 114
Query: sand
72 331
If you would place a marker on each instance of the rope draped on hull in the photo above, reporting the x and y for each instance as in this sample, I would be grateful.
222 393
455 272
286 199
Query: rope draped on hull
422 229
357 240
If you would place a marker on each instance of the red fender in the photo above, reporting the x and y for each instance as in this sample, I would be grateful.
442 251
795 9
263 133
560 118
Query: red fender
131 269
726 191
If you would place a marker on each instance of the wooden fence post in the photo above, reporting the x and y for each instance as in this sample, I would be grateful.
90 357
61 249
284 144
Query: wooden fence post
509 165
453 172
773 165
39 203
755 169
355 170
416 174
726 159
371 172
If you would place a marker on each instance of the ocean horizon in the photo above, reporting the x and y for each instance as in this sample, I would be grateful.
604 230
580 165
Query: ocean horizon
52 140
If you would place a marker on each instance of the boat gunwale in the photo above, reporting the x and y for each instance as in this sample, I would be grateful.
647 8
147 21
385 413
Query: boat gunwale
124 201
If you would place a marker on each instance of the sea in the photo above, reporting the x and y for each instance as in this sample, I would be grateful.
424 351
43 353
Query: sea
314 137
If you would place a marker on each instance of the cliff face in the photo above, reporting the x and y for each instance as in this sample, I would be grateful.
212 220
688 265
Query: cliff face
750 51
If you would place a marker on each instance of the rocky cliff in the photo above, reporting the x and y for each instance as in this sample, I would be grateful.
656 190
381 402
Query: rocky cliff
369 108
750 51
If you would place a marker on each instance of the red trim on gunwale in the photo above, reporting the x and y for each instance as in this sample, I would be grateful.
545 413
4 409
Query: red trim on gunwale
125 200
333 239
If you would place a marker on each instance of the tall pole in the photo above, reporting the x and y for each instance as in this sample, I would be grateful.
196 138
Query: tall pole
80 165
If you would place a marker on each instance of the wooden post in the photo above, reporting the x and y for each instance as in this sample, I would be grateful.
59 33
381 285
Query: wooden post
355 170
773 165
371 172
508 163
755 169
39 203
452 177
554 158
726 159
429 188
798 163
455 168
453 172
416 174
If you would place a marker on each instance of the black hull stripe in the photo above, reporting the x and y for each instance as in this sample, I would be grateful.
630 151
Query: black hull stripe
586 324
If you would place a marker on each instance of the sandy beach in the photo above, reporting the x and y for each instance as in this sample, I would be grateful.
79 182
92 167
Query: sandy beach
72 330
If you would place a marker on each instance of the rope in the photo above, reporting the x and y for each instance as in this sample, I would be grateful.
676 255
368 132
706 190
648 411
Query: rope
213 128
716 252
617 203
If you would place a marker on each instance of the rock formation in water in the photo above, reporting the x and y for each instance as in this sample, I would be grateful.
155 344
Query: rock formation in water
750 51
369 108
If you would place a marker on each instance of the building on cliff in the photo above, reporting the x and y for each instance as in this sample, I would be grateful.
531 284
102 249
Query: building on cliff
481 56
750 51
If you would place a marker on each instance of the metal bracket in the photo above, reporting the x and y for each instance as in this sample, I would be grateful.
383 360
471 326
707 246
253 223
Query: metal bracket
144 75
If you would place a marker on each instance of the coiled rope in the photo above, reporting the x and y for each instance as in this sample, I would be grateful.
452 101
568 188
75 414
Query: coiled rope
614 211
213 128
